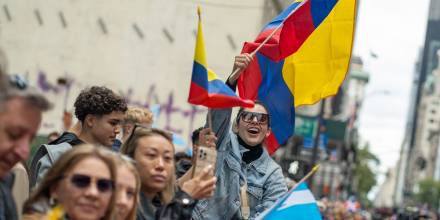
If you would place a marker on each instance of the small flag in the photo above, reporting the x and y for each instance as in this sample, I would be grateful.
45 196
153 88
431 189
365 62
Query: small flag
299 204
206 88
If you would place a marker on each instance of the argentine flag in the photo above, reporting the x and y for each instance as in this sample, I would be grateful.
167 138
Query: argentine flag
298 204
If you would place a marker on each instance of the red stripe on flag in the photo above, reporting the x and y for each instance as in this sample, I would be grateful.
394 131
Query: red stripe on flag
199 96
297 28
288 39
271 144
253 79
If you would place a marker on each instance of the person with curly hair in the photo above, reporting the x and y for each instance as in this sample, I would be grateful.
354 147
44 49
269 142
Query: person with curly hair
100 113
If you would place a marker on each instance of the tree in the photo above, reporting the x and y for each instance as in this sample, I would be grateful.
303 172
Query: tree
364 173
429 192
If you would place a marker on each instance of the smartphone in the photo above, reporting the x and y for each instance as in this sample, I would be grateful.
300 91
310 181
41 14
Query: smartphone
204 157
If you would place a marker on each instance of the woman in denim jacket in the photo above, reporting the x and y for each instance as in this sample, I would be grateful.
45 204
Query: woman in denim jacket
248 179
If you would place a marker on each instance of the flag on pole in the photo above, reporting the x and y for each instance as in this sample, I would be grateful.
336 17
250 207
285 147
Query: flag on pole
304 61
299 204
206 88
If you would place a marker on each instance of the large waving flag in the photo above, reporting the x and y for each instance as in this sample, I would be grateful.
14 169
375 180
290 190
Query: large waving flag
299 204
206 88
304 61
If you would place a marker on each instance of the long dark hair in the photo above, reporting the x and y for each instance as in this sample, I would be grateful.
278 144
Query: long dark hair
129 148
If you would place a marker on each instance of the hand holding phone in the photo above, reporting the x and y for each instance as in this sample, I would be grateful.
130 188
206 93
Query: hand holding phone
205 157
202 186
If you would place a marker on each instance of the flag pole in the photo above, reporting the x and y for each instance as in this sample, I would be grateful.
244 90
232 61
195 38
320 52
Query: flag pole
313 171
236 71
199 15
209 119
263 215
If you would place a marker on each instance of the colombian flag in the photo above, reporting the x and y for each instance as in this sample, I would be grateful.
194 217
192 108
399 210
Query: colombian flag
304 61
206 88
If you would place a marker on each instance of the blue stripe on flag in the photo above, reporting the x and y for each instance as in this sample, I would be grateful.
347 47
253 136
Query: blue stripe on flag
302 186
302 209
280 18
200 75
216 86
219 87
320 10
275 94
297 212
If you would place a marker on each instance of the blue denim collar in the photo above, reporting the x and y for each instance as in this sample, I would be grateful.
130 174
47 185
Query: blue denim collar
259 164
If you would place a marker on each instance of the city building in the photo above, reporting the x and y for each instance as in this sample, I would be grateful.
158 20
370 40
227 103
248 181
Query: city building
419 147
134 47
338 138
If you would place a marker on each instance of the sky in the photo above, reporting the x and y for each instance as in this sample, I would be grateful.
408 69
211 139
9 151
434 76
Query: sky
395 31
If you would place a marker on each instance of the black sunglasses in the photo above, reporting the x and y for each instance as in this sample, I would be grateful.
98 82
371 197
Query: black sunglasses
248 117
83 181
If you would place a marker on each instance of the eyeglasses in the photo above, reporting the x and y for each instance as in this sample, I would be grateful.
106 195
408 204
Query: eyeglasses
83 181
248 117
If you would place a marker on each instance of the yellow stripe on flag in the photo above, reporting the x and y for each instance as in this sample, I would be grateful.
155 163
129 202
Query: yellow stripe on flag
318 68
211 75
200 54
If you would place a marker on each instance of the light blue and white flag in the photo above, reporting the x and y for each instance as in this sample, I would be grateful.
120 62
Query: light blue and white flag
298 204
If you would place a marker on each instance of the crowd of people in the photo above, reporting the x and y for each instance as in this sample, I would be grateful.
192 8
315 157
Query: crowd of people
88 172
342 210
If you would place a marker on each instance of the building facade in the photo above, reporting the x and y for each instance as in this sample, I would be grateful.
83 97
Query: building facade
142 49
419 147
338 138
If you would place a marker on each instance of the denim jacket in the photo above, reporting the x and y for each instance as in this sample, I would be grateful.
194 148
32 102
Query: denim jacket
264 177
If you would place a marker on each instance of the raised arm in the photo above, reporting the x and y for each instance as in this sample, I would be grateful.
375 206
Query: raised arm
221 118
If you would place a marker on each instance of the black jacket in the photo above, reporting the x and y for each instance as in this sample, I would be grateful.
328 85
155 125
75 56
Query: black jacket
8 211
180 208
68 137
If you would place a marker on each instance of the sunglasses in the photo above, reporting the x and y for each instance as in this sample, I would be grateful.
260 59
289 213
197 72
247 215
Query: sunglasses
83 181
249 117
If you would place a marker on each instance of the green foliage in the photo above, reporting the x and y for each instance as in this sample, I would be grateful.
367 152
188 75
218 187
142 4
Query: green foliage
364 173
429 192
38 140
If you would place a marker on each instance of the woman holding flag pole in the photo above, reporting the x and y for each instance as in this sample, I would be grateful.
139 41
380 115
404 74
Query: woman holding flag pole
277 67
248 180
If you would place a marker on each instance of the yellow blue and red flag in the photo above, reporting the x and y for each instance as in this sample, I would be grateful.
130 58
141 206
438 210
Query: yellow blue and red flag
206 88
304 61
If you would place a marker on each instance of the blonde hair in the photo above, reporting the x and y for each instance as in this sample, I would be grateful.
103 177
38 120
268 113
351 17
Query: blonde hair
124 161
129 148
138 115
64 164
